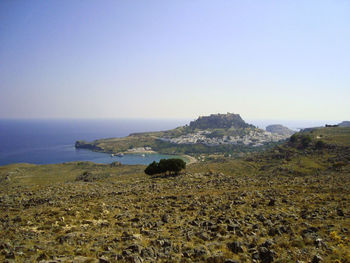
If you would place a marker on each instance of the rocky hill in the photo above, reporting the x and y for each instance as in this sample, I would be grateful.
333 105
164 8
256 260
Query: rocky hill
279 129
220 121
217 133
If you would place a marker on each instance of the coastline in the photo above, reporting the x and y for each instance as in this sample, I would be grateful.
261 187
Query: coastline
187 158
142 151
190 159
131 151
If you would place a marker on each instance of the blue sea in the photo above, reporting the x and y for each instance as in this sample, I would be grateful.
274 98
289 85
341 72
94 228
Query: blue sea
52 141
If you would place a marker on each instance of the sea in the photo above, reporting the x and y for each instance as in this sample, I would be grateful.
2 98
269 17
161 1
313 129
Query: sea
41 141
47 141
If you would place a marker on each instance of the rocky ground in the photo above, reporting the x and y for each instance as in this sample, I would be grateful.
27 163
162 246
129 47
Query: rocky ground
258 209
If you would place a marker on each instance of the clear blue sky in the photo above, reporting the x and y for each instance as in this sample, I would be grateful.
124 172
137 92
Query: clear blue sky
175 59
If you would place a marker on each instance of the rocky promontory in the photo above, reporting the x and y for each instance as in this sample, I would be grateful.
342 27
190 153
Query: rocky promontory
216 133
217 121
81 144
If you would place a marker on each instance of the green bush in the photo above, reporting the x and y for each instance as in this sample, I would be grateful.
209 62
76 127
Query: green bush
300 141
306 140
152 168
173 165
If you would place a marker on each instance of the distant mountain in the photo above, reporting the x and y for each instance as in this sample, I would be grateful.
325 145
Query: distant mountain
220 121
279 129
344 124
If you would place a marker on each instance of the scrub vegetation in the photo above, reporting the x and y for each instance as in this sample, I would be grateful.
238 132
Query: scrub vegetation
290 203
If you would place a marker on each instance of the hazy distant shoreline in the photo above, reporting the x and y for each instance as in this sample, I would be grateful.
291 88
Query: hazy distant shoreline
43 141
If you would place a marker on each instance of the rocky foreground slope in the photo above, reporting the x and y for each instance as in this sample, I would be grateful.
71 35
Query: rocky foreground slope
291 204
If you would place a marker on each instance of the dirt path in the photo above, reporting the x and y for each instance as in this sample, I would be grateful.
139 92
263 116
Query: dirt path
190 159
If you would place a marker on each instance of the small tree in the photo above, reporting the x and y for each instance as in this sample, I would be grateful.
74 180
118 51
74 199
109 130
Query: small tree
153 168
173 165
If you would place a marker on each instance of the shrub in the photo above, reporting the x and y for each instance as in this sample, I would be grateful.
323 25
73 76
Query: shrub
300 141
293 138
173 165
305 140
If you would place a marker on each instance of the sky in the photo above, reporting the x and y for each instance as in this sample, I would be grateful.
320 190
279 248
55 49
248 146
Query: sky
175 59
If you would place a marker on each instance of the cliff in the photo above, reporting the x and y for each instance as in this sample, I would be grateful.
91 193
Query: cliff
87 145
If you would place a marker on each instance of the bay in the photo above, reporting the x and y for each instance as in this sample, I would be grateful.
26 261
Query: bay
52 141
